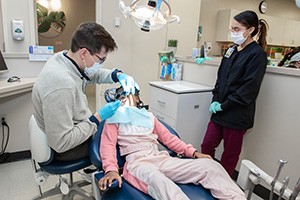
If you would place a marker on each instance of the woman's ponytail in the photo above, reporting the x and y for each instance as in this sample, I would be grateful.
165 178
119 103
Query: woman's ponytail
262 33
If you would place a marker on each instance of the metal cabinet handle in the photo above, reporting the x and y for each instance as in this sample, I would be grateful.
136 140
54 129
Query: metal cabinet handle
161 102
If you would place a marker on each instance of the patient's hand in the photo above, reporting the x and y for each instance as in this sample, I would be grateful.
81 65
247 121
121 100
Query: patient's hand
201 155
108 179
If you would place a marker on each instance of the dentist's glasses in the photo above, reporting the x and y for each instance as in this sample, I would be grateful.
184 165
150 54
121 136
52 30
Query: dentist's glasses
101 60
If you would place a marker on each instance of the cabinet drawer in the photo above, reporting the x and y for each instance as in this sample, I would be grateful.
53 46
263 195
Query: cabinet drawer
163 117
164 101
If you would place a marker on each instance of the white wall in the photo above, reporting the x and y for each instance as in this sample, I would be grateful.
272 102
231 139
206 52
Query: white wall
24 10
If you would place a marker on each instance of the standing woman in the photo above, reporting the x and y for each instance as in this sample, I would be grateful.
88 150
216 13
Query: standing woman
239 78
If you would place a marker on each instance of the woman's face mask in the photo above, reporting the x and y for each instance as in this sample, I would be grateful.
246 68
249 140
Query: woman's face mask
238 37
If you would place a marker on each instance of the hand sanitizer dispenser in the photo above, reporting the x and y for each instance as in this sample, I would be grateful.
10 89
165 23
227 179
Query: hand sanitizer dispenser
17 29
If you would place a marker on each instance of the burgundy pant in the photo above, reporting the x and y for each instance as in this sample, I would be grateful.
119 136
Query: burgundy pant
233 140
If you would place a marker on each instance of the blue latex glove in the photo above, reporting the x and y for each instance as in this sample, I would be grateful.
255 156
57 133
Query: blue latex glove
201 60
109 109
215 107
128 84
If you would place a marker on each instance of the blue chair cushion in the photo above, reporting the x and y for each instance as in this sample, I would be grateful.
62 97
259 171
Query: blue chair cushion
127 191
65 167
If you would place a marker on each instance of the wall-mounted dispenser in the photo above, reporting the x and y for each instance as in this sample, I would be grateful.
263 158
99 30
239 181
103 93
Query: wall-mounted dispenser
17 29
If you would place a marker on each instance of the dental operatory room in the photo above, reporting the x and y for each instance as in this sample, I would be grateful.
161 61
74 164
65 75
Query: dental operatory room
149 99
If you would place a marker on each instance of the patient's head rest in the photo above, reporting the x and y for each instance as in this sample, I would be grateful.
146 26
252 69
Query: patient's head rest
40 151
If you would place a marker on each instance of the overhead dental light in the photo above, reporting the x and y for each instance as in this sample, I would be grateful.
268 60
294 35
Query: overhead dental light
298 3
151 16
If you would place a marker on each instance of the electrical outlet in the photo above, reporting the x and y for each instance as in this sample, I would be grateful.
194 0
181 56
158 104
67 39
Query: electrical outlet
3 118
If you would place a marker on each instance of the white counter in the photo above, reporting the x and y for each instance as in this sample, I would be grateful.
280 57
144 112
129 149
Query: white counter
181 87
8 88
217 60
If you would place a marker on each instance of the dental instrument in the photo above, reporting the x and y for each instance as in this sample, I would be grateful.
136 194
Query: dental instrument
281 164
296 190
251 175
285 183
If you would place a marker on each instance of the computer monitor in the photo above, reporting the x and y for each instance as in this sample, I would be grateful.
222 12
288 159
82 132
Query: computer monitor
3 67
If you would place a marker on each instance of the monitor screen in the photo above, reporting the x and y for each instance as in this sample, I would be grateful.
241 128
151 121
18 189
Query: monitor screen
3 67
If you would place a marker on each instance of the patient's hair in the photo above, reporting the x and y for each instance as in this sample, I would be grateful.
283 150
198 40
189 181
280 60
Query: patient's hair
92 36
134 99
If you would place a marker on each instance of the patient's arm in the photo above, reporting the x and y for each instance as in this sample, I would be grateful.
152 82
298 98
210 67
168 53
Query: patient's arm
108 148
108 179
171 141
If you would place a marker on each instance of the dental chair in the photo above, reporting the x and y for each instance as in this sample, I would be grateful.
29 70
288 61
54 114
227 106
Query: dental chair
45 165
127 191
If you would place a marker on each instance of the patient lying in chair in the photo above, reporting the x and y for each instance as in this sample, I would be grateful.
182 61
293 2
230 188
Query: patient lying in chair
150 170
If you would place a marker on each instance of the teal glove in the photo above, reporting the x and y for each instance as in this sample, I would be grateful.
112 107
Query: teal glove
201 60
215 107
109 109
163 59
128 84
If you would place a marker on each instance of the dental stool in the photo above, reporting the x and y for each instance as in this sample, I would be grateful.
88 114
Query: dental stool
127 191
44 165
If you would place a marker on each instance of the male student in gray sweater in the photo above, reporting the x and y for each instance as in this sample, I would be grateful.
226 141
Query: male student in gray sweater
59 99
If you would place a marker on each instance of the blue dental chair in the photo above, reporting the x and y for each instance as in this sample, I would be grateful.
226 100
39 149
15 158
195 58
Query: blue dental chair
127 191
44 165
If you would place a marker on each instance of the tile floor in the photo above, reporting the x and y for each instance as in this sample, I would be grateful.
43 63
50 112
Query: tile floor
17 182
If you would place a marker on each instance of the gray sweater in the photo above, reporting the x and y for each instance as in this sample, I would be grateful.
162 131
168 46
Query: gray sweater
60 105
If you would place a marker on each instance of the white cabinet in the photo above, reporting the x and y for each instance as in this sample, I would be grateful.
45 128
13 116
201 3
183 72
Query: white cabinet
184 106
282 32
291 35
276 30
224 23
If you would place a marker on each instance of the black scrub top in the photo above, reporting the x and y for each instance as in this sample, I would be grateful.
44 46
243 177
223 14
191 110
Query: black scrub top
238 83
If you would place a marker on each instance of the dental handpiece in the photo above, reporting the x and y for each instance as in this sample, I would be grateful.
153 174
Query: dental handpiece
281 164
295 191
284 186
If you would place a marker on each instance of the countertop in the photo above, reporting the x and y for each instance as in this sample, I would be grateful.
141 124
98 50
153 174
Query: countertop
217 60
8 89
181 87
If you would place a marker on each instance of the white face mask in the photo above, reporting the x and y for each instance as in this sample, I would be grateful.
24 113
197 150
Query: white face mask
238 38
90 71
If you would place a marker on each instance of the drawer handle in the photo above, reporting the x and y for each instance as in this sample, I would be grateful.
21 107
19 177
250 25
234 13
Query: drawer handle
161 102
160 117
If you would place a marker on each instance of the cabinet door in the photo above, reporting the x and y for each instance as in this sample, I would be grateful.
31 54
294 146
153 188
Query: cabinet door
193 117
289 37
164 101
297 34
276 30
